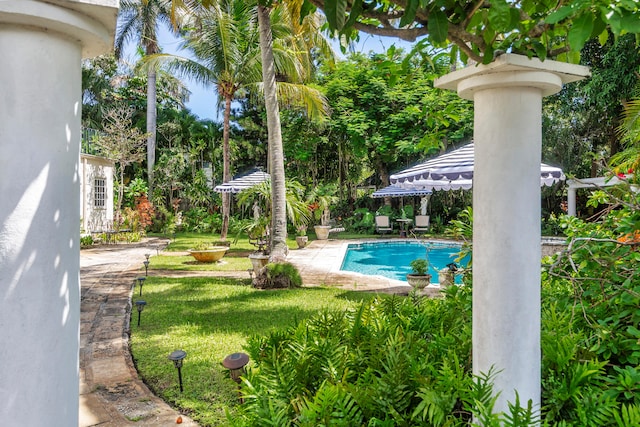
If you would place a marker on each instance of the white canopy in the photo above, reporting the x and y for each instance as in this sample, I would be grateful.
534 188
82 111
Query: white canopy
454 170
396 191
242 182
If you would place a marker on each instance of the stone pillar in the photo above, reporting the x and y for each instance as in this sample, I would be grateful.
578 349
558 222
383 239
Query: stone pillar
41 46
507 97
571 201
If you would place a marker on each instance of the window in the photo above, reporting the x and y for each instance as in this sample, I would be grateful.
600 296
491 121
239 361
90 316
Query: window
99 193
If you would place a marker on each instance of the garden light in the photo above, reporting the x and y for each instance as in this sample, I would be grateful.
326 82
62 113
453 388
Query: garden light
235 363
177 356
140 306
141 282
147 256
146 267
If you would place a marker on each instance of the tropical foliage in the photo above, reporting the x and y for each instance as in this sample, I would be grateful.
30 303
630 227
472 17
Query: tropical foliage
139 20
407 361
480 30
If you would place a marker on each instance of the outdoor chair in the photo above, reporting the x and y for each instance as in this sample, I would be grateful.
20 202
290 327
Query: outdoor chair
421 223
383 224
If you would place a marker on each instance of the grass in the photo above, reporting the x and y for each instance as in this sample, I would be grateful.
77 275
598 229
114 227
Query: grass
210 318
230 262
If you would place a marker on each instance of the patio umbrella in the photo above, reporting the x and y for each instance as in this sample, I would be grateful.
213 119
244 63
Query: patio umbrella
454 170
242 182
396 191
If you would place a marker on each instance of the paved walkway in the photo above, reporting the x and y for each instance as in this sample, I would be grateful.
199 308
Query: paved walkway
111 394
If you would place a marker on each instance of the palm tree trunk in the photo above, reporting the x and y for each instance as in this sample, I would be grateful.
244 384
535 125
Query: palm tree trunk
151 126
226 167
279 247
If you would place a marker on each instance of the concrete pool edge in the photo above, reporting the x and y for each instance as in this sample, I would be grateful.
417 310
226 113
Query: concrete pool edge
319 264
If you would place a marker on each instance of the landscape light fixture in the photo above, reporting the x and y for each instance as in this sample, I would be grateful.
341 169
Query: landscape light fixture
250 271
140 306
176 357
235 363
146 267
141 282
147 256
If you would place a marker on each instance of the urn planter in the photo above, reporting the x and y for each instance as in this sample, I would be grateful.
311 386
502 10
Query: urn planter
322 231
419 281
258 261
302 241
213 254
446 277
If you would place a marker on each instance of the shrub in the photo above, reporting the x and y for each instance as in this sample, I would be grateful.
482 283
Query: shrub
145 212
407 361
280 275
86 240
394 361
200 220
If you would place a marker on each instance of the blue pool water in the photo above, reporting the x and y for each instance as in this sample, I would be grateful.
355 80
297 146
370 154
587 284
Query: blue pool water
391 259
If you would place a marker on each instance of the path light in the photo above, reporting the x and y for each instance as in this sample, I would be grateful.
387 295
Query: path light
250 271
141 282
147 256
146 267
140 306
235 363
177 356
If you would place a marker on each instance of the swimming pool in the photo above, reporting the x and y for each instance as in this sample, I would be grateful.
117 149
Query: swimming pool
391 259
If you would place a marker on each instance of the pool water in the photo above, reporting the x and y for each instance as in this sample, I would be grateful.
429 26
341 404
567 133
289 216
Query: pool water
391 259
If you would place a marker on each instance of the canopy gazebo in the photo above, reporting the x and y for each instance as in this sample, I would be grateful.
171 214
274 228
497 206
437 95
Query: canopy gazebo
454 171
243 182
397 191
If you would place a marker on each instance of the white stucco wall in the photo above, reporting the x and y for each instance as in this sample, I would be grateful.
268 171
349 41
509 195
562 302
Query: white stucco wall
91 168
41 46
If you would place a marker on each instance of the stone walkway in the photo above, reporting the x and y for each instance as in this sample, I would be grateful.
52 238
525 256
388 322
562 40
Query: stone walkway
111 394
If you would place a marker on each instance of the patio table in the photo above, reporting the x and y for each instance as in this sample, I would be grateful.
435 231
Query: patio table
403 222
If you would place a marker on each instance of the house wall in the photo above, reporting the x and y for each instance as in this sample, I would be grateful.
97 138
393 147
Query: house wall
42 44
95 219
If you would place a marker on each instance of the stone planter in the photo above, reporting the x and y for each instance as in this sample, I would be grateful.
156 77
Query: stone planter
419 281
213 254
302 241
258 261
322 231
446 277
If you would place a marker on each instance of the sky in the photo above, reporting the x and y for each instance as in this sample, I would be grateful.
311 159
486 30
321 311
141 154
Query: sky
202 101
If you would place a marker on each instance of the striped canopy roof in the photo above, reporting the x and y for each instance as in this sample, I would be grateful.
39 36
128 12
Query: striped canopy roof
454 170
396 191
242 182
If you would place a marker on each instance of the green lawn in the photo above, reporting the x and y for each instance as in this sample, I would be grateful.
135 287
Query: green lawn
210 318
230 262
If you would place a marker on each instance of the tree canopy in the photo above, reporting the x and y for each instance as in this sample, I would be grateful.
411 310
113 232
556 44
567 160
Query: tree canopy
479 28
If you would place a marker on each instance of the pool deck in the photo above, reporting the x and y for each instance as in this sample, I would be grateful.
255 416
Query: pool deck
319 264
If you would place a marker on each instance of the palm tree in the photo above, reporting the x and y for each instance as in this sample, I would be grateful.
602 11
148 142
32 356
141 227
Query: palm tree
224 41
279 246
139 20
302 35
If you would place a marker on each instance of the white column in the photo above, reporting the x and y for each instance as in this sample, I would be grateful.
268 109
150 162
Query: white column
41 46
571 201
507 97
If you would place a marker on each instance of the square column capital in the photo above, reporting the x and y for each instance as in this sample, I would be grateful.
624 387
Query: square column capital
513 70
91 22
